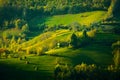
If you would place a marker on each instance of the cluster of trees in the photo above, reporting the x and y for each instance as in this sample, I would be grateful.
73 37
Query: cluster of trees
18 28
86 72
82 40
27 9
116 53
10 47
113 10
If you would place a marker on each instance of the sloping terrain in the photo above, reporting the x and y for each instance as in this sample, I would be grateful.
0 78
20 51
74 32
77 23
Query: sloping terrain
85 18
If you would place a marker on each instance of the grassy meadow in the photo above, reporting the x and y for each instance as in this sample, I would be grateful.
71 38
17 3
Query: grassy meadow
42 52
85 18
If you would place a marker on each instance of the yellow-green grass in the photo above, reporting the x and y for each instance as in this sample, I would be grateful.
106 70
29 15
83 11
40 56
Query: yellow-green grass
21 70
52 38
46 38
93 54
83 18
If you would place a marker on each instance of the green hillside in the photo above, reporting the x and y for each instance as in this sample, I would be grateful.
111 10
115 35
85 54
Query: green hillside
85 18
59 40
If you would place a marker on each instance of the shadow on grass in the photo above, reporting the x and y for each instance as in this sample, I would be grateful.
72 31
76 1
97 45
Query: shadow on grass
78 59
10 73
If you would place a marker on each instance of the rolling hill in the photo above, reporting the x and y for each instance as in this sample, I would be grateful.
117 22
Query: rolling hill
85 18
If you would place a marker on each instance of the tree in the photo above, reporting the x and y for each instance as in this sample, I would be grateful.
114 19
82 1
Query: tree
84 39
116 53
74 41
75 26
25 28
114 8
19 23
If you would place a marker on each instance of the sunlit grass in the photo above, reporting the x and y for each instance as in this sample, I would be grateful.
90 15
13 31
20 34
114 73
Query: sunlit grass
90 55
83 18
48 37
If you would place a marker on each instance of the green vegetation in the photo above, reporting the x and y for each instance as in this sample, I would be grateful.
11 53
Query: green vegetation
59 39
116 52
113 8
84 18
84 71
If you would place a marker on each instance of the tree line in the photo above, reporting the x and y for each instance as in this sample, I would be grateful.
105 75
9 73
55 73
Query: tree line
28 9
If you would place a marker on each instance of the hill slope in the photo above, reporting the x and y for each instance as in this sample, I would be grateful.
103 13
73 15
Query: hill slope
85 18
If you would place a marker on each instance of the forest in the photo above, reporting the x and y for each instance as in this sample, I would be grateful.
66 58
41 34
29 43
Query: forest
60 39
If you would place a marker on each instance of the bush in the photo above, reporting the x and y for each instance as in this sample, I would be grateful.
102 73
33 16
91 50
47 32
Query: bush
86 72
74 41
19 23
62 72
25 28
116 30
27 62
40 51
4 53
81 41
75 26
116 53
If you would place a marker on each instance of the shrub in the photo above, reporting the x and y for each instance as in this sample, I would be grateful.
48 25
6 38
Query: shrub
86 72
25 28
39 51
84 39
15 55
36 68
62 72
19 23
4 52
53 44
74 41
116 53
27 62
116 30
75 26
81 41
64 44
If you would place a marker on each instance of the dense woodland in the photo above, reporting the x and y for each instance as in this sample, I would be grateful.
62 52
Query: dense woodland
28 9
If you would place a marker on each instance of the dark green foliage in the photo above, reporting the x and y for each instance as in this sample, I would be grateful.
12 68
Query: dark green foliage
116 53
4 53
27 62
74 41
75 26
62 72
87 72
27 9
116 30
36 68
53 28
114 9
82 41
